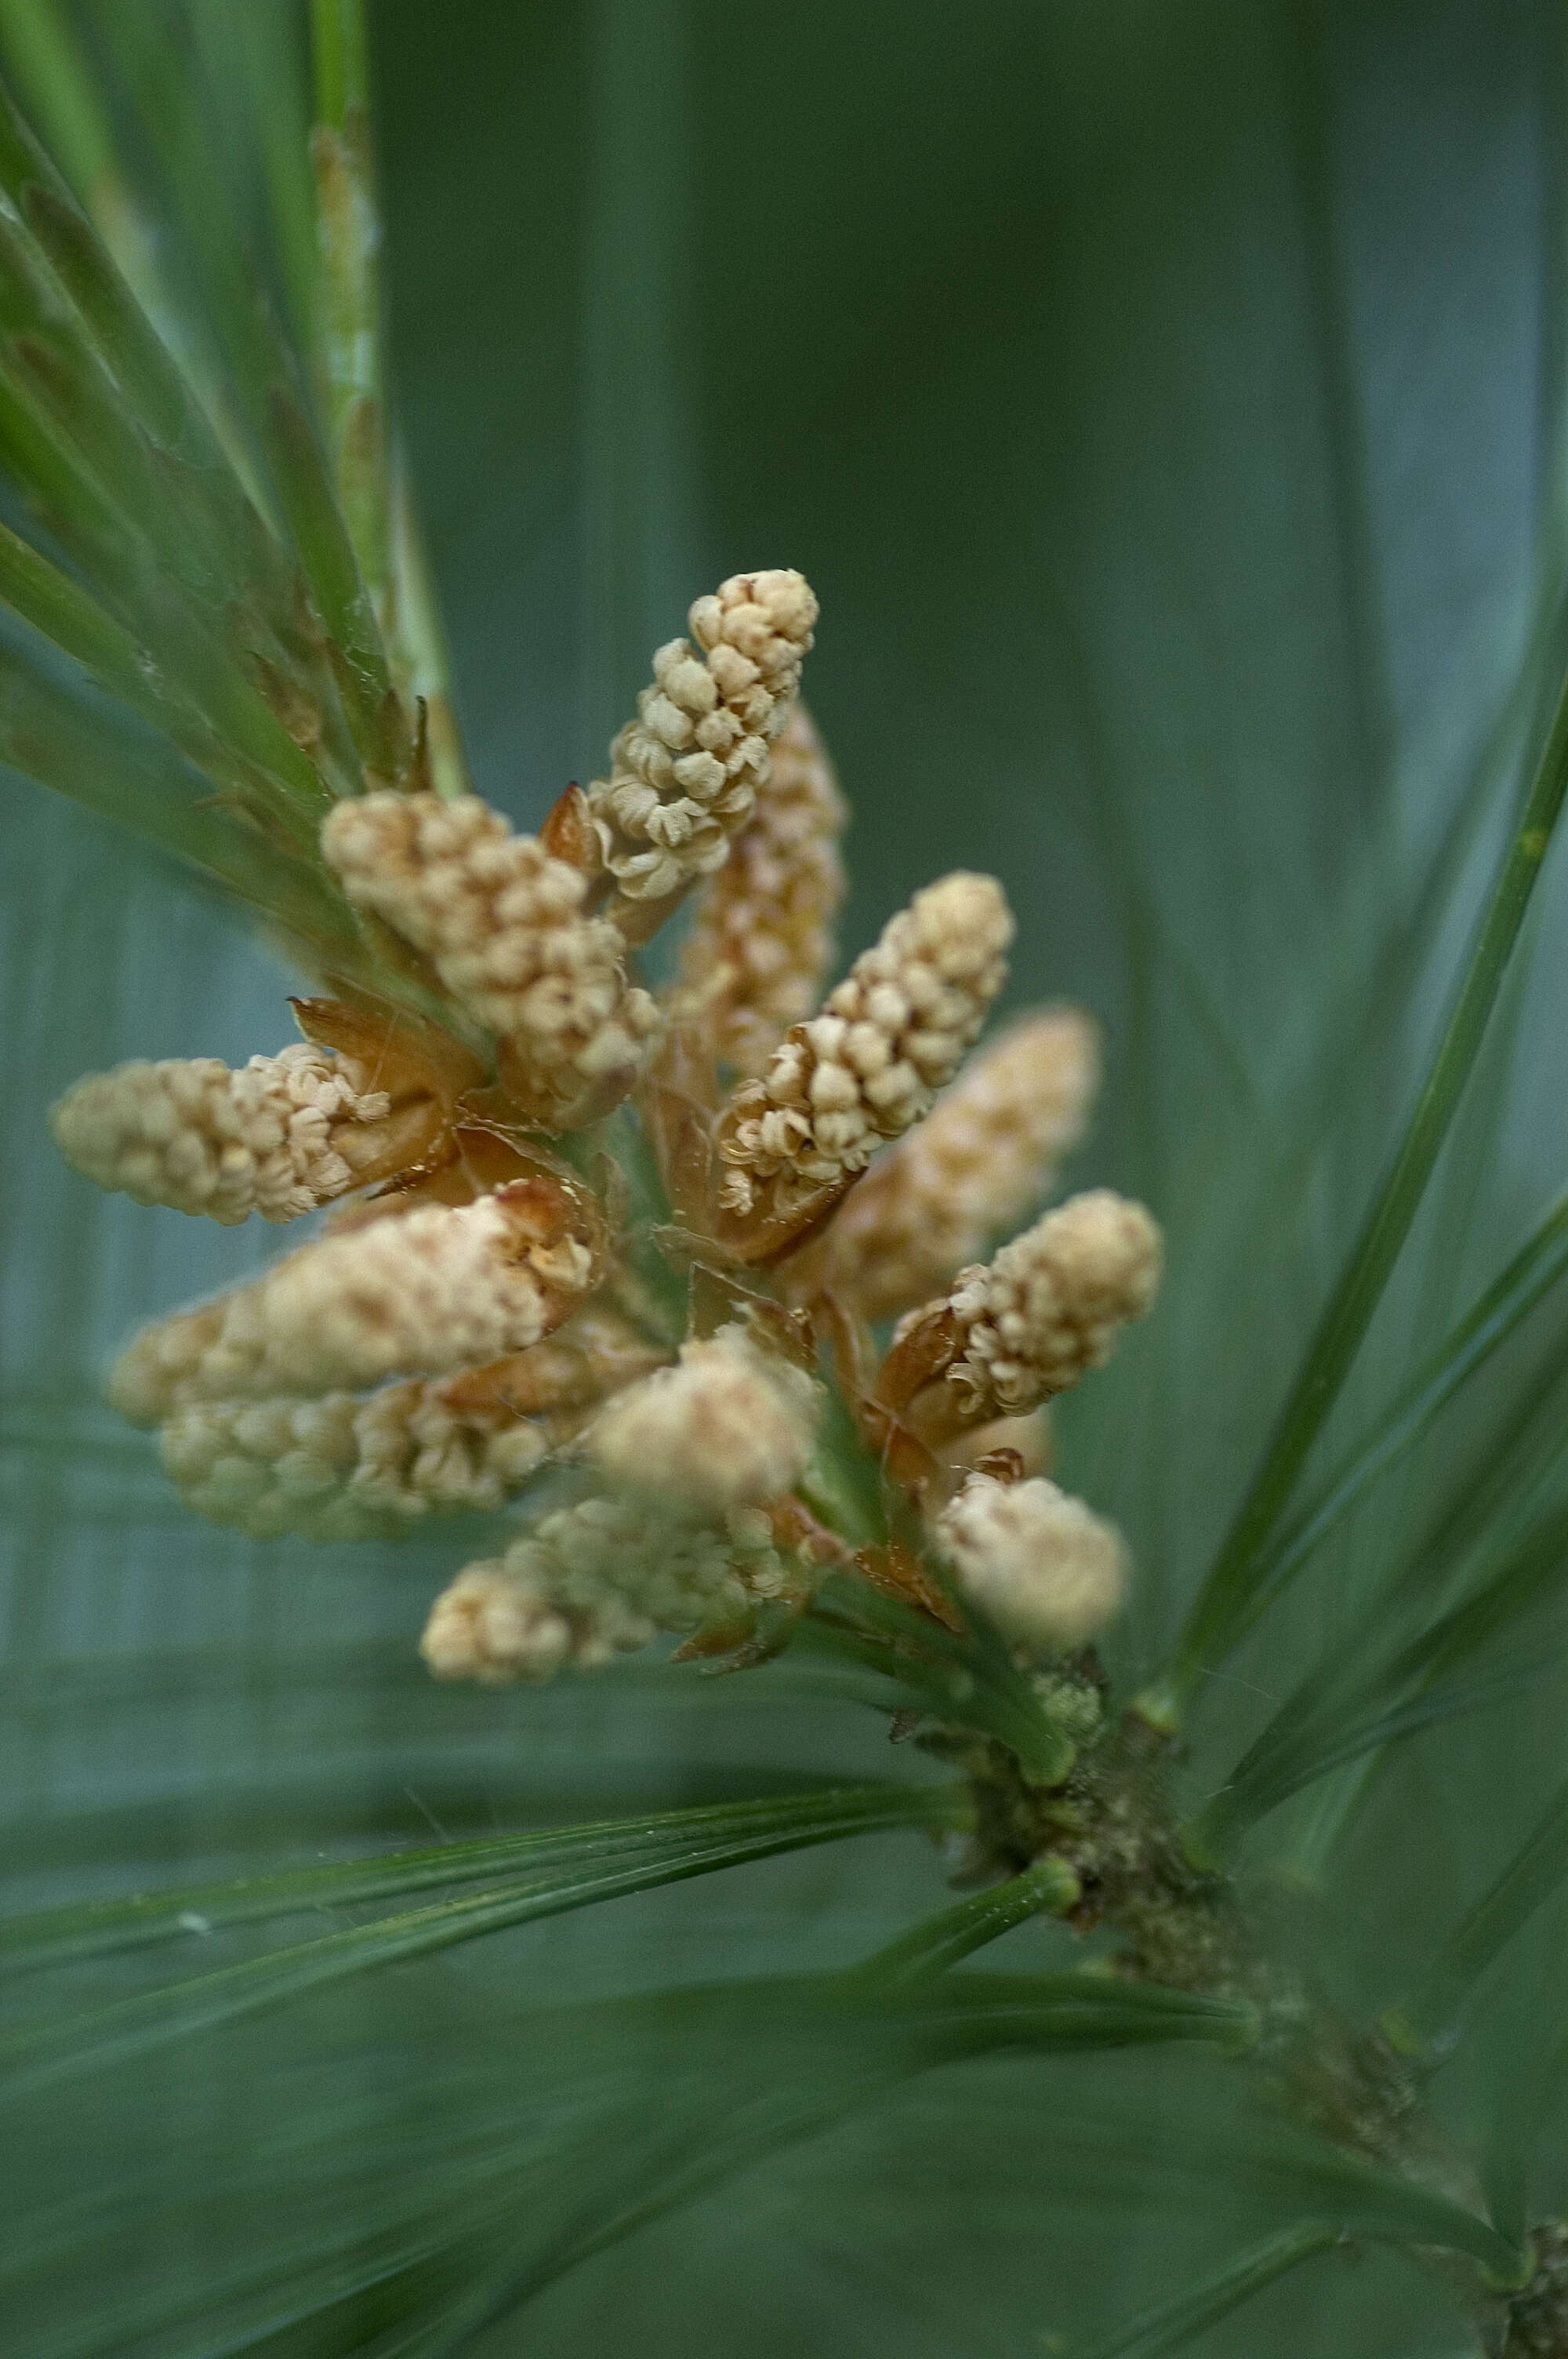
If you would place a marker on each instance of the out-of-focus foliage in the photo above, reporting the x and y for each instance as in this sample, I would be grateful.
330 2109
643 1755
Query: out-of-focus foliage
1166 402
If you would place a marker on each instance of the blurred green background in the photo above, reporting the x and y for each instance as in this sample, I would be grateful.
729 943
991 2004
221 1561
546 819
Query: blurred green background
1166 400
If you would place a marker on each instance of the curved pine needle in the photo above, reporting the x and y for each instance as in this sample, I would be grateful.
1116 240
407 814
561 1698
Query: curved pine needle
113 2036
1321 1727
1220 1614
286 788
266 379
1434 2011
1239 1808
1495 1315
1170 2324
98 1929
910 2033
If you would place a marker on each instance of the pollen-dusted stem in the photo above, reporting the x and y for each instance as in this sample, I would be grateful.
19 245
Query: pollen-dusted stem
1110 1834
1184 1926
1111 1822
1538 2317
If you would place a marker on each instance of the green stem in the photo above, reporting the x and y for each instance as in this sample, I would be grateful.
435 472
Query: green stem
259 48
421 642
349 323
339 48
1224 1605
954 1684
350 364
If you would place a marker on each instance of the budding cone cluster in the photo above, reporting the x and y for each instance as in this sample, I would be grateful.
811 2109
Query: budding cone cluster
343 1468
506 928
1048 1308
984 1156
596 1580
1012 1333
1049 1572
510 1293
891 1034
728 1426
278 1137
414 1293
762 942
685 772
